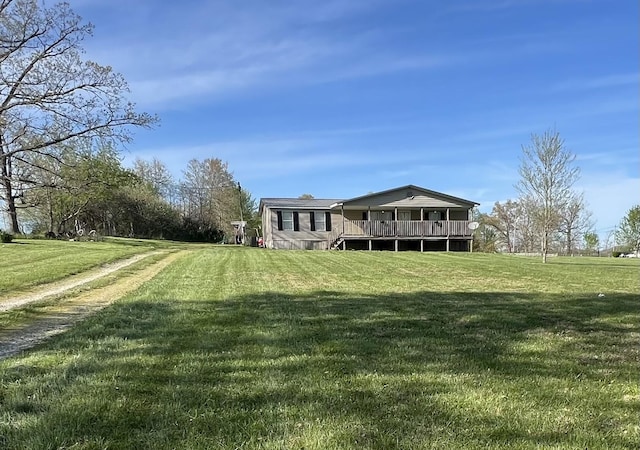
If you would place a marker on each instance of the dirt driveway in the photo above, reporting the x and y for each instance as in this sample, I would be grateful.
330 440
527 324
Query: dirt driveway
70 310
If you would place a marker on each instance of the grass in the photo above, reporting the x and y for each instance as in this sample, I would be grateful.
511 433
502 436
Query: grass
28 262
253 349
17 318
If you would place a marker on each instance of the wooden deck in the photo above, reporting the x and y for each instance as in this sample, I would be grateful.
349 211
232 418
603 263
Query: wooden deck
405 229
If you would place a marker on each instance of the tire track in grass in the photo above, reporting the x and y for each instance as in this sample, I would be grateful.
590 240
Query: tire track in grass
59 287
64 315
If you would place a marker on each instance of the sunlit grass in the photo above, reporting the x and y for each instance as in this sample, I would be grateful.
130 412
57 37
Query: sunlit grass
17 318
246 348
26 262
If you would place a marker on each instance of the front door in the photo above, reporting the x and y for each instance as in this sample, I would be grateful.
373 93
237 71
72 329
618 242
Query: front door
381 215
382 223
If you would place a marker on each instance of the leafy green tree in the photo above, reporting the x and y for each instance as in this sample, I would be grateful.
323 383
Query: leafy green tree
485 237
79 188
137 210
250 211
628 233
591 241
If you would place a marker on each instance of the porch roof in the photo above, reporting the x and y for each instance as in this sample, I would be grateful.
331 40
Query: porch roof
410 197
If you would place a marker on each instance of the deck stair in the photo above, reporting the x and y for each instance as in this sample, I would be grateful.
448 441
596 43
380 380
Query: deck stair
335 245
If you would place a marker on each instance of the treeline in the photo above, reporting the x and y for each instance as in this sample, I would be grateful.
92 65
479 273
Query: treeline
85 191
550 215
513 226
62 117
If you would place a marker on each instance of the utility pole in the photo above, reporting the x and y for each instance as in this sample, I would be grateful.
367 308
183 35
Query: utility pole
240 199
242 227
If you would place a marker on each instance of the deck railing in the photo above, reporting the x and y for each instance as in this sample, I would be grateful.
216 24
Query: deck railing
406 228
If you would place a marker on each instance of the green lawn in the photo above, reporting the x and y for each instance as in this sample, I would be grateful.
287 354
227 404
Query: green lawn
256 349
28 262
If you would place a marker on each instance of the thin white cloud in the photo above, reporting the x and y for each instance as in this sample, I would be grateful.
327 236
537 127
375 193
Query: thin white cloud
494 5
601 82
237 51
615 158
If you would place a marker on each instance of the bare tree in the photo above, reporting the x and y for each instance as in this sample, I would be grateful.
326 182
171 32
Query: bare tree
547 175
527 229
49 95
156 173
503 219
211 194
575 221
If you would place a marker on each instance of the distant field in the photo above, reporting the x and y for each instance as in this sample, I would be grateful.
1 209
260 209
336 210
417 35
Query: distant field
27 262
255 349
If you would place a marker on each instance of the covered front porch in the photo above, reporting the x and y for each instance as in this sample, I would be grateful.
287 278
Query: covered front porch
418 229
406 218
406 228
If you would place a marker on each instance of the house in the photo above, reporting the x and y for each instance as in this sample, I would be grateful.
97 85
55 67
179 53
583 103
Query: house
404 218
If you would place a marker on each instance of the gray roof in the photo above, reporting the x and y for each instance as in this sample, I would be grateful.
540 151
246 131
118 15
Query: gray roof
298 203
323 203
416 188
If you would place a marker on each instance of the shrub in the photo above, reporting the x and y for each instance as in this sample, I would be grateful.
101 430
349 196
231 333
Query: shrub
5 238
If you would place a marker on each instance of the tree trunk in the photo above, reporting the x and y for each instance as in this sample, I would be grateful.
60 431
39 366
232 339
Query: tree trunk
5 174
10 202
12 213
51 221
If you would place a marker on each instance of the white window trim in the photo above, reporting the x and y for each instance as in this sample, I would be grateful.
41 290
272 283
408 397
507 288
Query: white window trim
319 218
287 221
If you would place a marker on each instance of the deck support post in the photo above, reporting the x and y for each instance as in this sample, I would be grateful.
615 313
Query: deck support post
422 245
396 245
448 228
370 245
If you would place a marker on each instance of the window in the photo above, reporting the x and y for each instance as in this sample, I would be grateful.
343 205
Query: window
404 215
288 220
382 215
320 220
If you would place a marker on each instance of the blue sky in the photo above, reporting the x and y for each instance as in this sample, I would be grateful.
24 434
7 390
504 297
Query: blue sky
338 98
